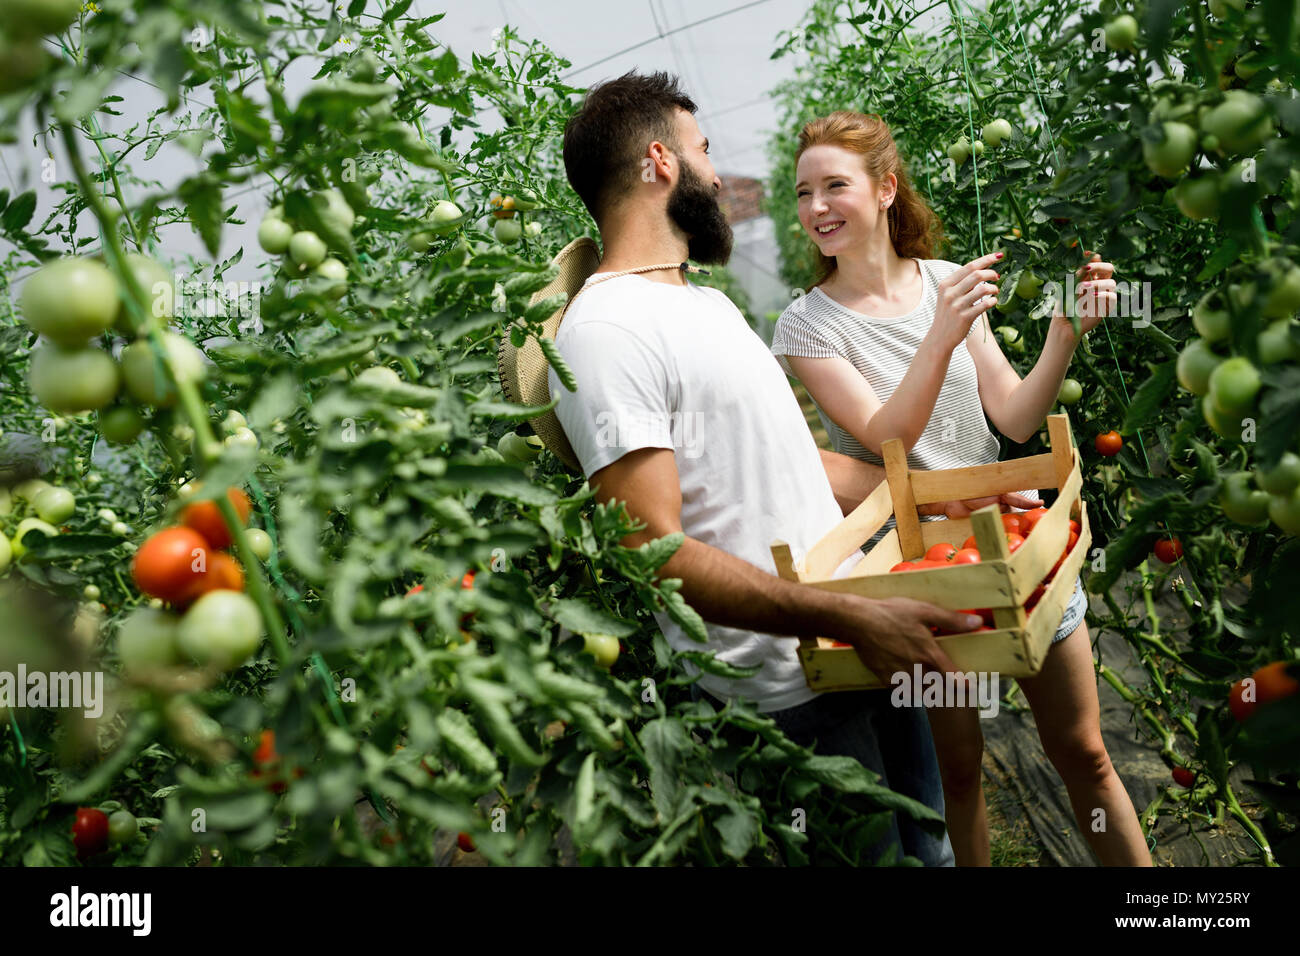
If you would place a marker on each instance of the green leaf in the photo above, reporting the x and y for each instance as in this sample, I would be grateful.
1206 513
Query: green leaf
683 613
396 10
1150 399
510 411
201 197
463 741
738 830
500 480
19 212
69 545
543 309
562 370
584 793
278 399
582 618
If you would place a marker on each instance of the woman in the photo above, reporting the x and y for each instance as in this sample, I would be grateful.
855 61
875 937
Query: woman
892 343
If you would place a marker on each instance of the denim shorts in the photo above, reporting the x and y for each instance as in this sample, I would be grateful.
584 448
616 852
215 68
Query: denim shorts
893 742
1074 612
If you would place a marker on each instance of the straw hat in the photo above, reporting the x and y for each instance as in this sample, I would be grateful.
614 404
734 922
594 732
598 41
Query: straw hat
523 370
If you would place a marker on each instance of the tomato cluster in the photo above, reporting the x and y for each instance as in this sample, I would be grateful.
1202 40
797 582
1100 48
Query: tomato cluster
308 253
1017 526
185 566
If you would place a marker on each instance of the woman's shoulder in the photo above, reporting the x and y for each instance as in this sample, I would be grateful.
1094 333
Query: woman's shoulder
806 308
941 268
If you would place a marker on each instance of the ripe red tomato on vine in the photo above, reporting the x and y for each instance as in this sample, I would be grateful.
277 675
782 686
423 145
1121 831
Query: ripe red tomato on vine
1109 443
1184 777
1168 550
90 832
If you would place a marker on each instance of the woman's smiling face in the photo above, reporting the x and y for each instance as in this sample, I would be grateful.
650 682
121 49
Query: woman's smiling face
838 204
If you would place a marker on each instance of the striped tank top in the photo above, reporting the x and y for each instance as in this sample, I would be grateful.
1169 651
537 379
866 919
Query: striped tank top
882 349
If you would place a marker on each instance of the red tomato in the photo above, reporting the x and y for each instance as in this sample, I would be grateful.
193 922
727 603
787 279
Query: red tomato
966 556
415 590
1272 682
902 566
1169 550
164 565
1074 539
969 543
1011 523
1074 526
840 644
1109 443
1184 777
90 832
224 573
467 581
942 551
1029 519
1240 707
465 842
265 755
1014 541
205 518
1034 598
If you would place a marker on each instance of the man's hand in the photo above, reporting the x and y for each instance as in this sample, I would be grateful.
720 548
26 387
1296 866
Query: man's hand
893 634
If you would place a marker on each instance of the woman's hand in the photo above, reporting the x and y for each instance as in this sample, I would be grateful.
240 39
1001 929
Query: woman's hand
963 297
964 509
1096 295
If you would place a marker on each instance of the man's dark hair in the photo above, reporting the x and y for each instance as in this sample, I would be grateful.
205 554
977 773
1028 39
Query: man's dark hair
605 140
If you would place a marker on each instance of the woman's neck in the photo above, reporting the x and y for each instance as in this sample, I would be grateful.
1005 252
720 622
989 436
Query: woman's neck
870 272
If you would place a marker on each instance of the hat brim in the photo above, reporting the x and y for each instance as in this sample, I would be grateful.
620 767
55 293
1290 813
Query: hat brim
523 371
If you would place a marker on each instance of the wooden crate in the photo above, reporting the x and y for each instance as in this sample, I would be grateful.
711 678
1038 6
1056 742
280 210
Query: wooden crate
1002 581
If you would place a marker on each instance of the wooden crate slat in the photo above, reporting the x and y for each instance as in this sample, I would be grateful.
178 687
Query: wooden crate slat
1034 558
958 587
880 558
952 530
900 479
850 534
840 668
980 481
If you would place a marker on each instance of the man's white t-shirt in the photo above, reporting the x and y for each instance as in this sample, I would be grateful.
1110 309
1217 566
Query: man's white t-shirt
665 366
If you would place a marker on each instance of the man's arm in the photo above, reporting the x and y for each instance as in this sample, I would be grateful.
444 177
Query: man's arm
890 635
851 479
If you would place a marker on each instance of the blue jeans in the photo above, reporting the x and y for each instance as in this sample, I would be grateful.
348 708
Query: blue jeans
893 742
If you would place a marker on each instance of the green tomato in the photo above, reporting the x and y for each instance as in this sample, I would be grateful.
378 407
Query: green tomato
107 515
147 382
26 525
55 505
120 424
70 301
1121 33
1029 285
1234 386
222 628
1211 317
259 542
1241 122
533 229
445 217
21 62
1282 478
1196 363
273 235
159 290
242 438
1284 298
1011 338
90 592
307 249
526 199
1070 393
1248 65
1276 344
147 639
419 242
29 489
512 448
380 375
73 379
977 148
122 827
996 132
1219 8
336 273
603 647
507 231
1241 501
6 554
33 18
1221 423
1197 198
1284 510
1170 157
959 151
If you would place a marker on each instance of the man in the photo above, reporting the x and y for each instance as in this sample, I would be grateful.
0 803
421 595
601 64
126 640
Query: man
682 413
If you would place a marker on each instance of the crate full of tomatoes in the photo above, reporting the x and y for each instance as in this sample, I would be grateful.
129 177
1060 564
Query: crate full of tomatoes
1016 570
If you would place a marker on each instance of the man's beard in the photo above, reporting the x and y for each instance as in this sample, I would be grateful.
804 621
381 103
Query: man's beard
693 205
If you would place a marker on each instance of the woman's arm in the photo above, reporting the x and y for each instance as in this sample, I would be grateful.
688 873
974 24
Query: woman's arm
845 396
1018 407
